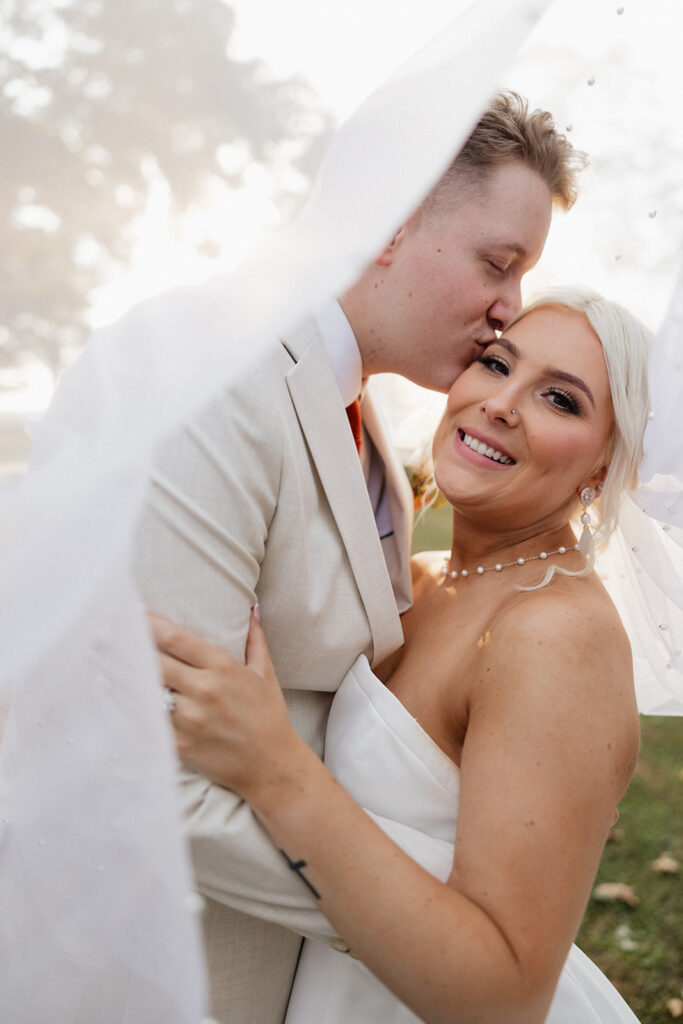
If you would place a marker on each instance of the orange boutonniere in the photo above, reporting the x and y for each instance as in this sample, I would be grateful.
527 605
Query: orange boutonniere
425 492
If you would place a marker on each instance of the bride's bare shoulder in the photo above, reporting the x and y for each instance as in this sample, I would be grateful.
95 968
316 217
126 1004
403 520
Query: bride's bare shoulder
565 639
576 601
561 655
572 615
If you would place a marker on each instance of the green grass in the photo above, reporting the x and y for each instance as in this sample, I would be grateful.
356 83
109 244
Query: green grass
650 823
649 974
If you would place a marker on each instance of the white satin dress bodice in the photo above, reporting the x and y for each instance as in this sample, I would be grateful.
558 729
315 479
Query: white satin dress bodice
390 765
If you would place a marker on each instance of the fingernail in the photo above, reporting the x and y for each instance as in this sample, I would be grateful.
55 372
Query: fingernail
257 612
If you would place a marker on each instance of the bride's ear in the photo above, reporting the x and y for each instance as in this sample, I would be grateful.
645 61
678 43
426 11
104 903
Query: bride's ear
596 480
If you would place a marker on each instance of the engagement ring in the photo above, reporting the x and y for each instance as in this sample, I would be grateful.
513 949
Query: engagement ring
169 700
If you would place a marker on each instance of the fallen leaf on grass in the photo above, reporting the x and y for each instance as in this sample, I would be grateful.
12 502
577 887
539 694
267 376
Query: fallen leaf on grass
615 892
666 865
675 1007
624 937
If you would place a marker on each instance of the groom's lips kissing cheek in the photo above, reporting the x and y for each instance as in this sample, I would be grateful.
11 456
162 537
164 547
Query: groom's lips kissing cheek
482 450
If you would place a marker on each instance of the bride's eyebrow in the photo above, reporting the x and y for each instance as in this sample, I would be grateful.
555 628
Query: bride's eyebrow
568 378
509 345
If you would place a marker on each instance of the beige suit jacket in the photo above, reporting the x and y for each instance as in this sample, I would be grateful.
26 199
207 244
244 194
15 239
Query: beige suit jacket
262 498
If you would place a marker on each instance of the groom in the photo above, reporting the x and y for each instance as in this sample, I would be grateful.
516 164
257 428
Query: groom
268 497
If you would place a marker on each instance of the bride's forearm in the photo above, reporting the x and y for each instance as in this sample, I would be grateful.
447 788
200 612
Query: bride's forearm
432 946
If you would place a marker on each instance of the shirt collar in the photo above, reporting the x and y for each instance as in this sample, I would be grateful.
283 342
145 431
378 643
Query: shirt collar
342 350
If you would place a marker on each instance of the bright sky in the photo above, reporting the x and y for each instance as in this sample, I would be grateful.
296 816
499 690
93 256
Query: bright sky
344 52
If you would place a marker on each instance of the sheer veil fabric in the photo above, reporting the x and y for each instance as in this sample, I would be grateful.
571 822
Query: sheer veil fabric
98 914
643 564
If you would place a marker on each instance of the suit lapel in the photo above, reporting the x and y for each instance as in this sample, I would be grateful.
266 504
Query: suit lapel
325 426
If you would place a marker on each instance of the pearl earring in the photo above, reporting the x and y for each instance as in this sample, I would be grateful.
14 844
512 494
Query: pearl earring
587 497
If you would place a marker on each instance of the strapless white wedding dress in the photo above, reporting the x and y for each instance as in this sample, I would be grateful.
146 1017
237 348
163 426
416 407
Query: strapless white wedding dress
386 760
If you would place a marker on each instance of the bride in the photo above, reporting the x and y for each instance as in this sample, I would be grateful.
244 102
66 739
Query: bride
509 713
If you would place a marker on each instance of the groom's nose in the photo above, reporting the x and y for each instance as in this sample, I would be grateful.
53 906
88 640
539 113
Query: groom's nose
508 301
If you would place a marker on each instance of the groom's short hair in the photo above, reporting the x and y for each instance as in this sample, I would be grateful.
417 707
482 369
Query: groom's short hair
507 131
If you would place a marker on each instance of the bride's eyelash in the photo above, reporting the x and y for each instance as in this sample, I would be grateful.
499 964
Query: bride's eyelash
569 403
494 363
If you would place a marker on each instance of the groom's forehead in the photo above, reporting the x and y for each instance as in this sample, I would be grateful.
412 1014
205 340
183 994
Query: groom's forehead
509 195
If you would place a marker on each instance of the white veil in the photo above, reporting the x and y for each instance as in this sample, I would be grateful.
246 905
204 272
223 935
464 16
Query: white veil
644 561
97 912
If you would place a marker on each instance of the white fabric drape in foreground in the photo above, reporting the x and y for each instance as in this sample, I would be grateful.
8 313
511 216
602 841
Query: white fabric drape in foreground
96 908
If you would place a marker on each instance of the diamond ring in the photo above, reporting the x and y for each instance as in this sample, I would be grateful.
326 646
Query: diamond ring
169 700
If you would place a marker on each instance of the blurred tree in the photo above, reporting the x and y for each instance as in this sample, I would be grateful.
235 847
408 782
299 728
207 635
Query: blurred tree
96 100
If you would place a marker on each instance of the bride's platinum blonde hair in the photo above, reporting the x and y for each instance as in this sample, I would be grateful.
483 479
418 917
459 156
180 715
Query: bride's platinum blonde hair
626 343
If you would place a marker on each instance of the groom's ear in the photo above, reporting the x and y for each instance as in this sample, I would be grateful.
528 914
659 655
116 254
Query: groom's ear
386 257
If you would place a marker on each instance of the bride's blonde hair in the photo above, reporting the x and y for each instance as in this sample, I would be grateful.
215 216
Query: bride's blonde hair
626 343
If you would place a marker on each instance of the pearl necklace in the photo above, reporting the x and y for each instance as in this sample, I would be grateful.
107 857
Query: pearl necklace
499 566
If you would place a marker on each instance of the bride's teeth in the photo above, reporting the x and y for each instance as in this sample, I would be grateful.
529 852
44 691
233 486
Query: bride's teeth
483 449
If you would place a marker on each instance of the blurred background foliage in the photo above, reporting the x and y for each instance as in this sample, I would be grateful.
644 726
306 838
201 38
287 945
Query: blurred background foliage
100 102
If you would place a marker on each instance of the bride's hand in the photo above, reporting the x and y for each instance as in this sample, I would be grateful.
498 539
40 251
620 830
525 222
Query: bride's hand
230 720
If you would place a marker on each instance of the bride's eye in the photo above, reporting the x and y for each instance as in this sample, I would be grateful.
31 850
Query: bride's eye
495 364
564 401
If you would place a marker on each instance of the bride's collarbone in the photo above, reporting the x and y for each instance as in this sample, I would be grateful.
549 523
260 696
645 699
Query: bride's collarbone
477 603
450 616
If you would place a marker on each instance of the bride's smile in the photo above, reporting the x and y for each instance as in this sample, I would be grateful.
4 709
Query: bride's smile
481 448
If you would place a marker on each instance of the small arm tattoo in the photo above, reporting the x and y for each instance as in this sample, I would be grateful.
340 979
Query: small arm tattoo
298 868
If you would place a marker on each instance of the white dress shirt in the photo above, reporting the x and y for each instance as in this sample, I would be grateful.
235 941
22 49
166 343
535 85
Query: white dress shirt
342 350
